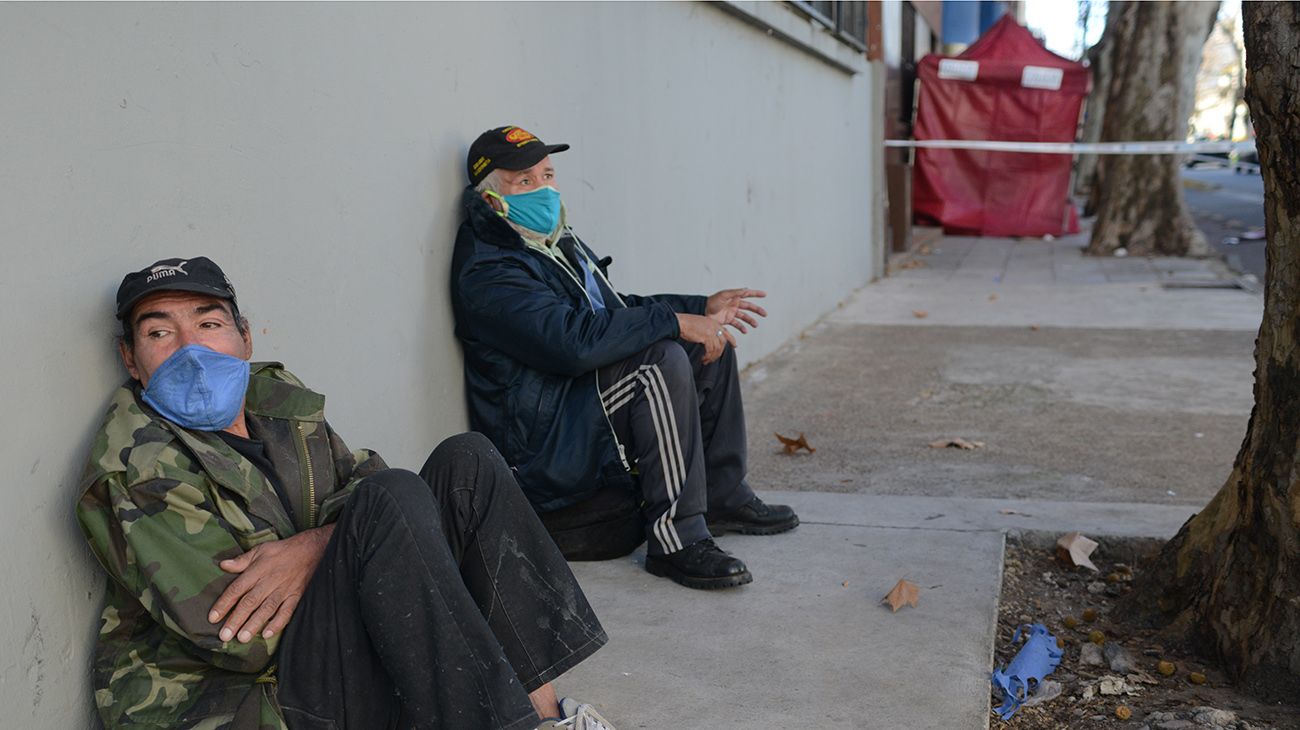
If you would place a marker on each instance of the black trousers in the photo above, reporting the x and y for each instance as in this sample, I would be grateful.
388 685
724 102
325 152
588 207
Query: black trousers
440 602
683 424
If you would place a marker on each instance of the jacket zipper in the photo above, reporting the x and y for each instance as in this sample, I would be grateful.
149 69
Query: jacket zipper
601 274
577 281
617 444
596 270
311 475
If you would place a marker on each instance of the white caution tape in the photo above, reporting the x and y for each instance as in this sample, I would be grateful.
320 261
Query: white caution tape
1069 148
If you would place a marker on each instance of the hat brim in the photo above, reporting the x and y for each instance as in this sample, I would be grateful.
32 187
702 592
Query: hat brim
529 156
196 288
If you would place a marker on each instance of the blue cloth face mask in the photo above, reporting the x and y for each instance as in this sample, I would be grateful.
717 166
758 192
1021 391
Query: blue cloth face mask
198 388
537 210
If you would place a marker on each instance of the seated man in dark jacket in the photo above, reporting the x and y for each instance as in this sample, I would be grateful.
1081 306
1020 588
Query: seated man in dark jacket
263 576
578 385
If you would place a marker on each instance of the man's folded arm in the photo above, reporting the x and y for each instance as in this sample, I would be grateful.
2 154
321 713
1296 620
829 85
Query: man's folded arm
161 540
509 310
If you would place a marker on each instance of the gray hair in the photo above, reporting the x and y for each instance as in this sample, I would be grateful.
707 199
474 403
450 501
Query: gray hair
491 183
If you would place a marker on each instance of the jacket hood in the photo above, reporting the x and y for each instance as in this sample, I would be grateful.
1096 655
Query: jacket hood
487 225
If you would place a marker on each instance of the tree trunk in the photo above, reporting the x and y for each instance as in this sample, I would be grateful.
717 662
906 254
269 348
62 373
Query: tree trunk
1086 182
1152 87
1238 76
1231 577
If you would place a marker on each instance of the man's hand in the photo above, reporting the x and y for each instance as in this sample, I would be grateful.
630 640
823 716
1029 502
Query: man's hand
272 578
731 307
705 331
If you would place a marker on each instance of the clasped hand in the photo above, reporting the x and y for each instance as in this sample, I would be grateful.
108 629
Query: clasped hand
272 578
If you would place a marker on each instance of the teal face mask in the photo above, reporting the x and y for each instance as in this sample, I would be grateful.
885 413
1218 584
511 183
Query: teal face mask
537 210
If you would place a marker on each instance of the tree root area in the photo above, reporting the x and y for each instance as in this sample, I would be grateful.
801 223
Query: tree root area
1038 588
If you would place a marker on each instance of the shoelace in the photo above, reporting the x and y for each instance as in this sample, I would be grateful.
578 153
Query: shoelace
587 724
585 718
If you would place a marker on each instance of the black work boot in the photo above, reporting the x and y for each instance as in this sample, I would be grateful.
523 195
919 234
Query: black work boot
700 565
753 518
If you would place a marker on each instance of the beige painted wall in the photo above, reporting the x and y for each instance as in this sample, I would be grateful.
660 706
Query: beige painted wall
316 152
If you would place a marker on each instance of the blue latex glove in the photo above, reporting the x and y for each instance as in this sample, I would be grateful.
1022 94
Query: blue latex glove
1035 660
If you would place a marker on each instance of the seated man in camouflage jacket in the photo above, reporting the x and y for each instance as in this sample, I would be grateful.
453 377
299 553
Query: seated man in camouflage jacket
263 576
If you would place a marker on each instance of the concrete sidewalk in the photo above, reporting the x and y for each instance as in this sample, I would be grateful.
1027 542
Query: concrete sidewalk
1108 404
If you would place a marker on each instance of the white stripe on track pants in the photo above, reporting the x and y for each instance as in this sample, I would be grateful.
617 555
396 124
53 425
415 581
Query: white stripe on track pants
682 424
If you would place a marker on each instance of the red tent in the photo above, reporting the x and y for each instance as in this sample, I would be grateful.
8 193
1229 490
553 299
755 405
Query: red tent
1006 86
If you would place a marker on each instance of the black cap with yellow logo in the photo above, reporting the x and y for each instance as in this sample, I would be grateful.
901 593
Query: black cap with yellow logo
506 148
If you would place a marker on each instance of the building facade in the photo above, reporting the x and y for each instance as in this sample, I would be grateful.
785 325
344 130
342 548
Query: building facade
316 151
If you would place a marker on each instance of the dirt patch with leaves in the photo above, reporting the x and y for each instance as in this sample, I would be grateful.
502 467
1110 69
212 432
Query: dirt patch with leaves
1111 675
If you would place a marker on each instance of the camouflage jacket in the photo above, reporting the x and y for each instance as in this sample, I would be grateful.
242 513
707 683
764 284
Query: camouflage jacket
161 506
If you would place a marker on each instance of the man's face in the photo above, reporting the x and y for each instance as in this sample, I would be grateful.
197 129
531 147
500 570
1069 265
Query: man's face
165 322
514 182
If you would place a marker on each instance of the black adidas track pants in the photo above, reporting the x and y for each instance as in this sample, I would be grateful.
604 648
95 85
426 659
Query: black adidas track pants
682 424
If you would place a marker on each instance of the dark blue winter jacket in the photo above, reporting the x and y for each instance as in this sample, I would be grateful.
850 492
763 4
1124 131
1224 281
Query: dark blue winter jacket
533 343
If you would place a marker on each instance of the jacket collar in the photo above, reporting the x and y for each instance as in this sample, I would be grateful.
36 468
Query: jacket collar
226 467
488 226
275 398
266 396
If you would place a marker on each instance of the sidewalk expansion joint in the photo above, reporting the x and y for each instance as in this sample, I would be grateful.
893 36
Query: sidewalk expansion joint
922 528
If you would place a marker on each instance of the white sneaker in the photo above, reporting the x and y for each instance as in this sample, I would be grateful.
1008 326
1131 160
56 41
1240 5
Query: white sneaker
581 716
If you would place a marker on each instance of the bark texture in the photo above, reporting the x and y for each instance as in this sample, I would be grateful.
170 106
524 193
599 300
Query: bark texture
1099 62
1140 204
1231 577
1239 82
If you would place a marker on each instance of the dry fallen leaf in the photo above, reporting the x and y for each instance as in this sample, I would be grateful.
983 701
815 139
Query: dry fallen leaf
920 313
913 264
904 593
1076 549
1141 677
1014 512
1112 686
924 250
956 443
993 297
1033 327
791 446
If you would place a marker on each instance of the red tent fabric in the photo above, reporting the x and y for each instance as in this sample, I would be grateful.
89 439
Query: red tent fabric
1006 86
